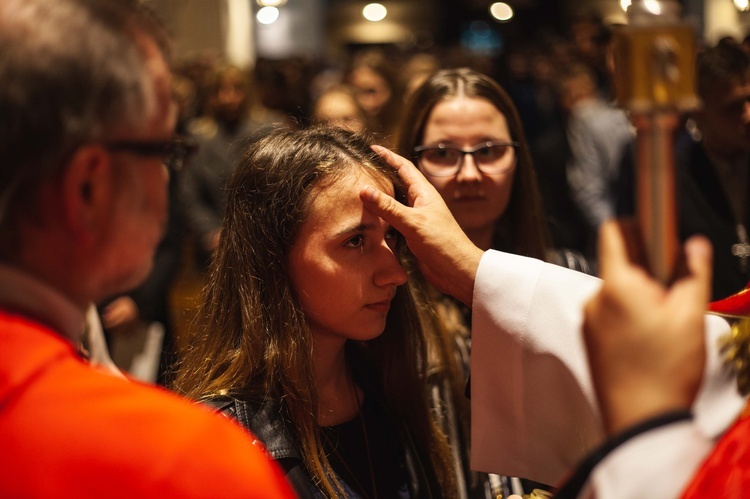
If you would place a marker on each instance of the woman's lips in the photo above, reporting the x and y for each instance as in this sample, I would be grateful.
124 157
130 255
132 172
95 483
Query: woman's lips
381 306
469 198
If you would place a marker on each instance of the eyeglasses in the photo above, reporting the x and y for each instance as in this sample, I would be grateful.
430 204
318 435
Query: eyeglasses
173 153
491 158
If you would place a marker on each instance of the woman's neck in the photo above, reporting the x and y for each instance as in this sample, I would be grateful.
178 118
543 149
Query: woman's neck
482 236
338 393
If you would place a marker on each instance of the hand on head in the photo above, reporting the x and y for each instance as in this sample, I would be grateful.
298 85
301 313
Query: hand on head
446 256
645 341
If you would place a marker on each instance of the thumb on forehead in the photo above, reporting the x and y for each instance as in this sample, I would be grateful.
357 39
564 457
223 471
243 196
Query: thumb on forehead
383 205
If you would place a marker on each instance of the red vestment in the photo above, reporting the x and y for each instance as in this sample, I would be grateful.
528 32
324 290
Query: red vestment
68 430
726 471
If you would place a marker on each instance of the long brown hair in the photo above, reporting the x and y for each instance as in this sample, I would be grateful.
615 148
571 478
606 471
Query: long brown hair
524 223
521 229
254 341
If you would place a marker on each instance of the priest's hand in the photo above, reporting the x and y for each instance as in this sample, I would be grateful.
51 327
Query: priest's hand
445 255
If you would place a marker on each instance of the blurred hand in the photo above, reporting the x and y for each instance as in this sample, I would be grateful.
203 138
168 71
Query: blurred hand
120 314
446 256
211 240
645 342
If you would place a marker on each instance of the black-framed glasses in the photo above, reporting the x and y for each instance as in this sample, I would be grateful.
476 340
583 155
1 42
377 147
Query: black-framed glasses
173 152
491 158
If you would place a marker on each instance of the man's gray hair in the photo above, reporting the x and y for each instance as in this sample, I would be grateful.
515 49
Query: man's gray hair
71 71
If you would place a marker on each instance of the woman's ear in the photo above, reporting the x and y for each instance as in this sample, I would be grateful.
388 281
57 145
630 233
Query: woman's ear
87 190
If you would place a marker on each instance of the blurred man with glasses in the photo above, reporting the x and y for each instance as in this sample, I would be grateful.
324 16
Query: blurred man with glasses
86 124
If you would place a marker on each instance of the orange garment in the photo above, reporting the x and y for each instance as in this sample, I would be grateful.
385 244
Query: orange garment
68 430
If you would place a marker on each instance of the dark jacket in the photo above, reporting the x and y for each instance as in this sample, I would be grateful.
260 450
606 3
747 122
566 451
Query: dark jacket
704 209
266 420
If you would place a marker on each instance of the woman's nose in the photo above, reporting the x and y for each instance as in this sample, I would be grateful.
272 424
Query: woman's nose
390 272
469 171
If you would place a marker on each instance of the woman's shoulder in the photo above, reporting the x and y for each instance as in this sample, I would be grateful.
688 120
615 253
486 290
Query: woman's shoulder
264 418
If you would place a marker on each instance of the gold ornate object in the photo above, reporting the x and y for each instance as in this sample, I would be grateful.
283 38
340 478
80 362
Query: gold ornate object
736 350
538 494
655 81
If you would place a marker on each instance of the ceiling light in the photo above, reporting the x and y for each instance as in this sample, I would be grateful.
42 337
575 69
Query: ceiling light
267 15
501 11
374 12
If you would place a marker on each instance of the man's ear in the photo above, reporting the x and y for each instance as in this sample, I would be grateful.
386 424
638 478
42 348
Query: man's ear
87 184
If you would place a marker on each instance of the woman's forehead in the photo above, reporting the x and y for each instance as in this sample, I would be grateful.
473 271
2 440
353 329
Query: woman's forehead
355 178
336 203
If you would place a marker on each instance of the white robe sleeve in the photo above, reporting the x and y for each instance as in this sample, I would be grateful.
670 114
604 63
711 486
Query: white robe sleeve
534 411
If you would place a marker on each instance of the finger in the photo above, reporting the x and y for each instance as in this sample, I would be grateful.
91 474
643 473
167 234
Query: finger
409 173
697 286
384 206
613 251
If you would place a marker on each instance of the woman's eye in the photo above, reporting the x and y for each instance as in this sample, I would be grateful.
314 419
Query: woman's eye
487 152
356 241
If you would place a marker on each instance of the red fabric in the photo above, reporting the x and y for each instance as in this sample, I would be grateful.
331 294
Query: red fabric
67 430
726 472
737 305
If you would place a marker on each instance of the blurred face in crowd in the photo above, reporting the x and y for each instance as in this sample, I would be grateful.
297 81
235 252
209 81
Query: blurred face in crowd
477 200
373 91
339 109
725 117
343 264
231 95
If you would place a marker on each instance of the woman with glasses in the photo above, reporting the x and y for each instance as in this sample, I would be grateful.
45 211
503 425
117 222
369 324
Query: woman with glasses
463 132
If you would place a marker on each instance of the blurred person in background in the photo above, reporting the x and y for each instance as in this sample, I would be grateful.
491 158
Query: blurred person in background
338 106
416 70
598 136
373 77
219 138
713 167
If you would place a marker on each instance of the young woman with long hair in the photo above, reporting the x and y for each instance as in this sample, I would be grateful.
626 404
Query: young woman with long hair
309 333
